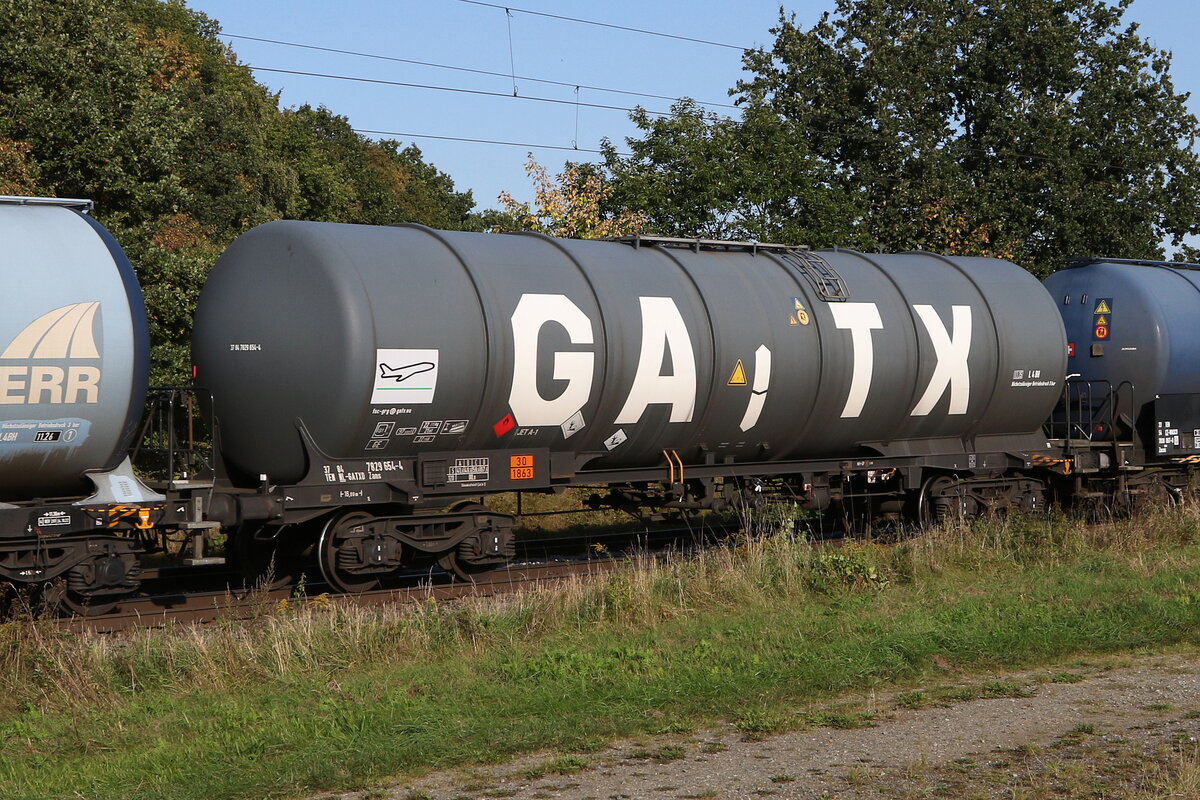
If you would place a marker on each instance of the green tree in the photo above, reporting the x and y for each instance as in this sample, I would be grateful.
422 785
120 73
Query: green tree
346 178
17 174
696 174
576 206
138 105
1029 129
424 193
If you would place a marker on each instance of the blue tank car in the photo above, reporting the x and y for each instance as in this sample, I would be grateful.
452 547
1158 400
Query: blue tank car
1133 333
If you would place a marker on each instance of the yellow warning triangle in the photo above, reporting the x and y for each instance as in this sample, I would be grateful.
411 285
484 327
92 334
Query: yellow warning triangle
792 320
797 303
1102 308
1101 320
738 378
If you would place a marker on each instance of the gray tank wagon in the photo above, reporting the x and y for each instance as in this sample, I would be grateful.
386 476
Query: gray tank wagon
370 385
452 365
390 342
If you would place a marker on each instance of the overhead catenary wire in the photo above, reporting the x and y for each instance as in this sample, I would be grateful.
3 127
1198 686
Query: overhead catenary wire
838 134
557 101
859 134
889 179
512 61
434 87
644 31
527 145
433 65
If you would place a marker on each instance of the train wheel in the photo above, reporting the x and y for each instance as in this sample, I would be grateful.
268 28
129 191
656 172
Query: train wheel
943 500
56 597
336 555
460 569
453 561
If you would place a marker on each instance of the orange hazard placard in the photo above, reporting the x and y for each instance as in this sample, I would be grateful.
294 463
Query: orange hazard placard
520 468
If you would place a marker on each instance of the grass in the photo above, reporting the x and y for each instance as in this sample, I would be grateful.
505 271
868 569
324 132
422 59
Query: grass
543 515
762 634
566 765
1076 767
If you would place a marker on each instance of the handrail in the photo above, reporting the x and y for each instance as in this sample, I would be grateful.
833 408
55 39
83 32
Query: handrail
168 442
637 241
84 206
1087 411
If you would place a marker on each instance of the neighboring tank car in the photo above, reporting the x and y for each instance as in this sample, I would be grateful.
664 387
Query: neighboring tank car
1133 329
74 358
74 349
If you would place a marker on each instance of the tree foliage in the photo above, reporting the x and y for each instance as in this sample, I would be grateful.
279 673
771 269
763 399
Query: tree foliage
1028 129
138 105
698 174
344 179
574 206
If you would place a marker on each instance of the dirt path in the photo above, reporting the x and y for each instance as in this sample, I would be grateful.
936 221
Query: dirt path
1114 732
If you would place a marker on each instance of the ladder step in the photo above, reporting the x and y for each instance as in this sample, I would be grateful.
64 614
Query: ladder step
190 485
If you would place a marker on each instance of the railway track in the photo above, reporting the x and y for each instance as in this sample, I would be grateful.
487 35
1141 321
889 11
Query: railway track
206 607
540 560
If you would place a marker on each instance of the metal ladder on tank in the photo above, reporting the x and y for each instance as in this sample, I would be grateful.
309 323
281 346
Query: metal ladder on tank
1086 419
178 460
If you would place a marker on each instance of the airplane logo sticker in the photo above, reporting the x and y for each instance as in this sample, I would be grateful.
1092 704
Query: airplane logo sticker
404 377
401 374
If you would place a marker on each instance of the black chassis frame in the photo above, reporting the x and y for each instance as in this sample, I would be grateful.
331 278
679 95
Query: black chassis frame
42 540
428 482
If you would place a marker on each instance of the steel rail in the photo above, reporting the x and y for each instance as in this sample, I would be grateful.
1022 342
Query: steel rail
207 607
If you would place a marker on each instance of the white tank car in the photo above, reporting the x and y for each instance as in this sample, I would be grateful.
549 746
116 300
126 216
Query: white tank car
74 352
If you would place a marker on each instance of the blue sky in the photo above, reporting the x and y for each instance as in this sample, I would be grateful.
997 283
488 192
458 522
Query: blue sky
468 35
